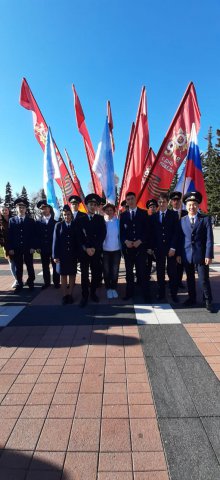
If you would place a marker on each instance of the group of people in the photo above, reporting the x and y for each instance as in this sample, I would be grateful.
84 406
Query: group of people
172 237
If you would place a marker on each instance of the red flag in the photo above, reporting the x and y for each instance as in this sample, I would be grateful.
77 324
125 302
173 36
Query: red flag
137 151
174 147
28 101
80 120
150 159
76 182
111 125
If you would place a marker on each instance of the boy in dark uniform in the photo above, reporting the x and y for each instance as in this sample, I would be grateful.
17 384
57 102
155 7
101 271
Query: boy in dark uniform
45 228
91 232
152 207
198 246
22 243
75 201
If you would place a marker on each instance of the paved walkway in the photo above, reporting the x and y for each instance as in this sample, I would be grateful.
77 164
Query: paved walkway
114 391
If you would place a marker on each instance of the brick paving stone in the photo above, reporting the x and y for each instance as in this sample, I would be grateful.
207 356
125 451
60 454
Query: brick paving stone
6 352
64 398
143 387
89 405
47 459
67 387
115 476
44 388
148 461
70 377
6 427
13 366
27 378
48 378
55 362
10 411
8 474
118 361
75 361
13 459
81 466
25 434
115 411
135 361
115 462
92 383
159 475
15 399
111 369
40 398
52 369
142 411
34 411
94 351
94 365
115 377
140 398
35 362
21 388
6 382
61 411
85 435
31 369
115 399
137 377
145 436
70 369
135 368
115 388
115 435
54 435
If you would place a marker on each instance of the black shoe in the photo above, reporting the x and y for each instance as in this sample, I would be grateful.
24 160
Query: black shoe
127 297
18 288
65 300
83 302
45 286
31 286
190 302
57 285
175 299
94 297
209 306
70 299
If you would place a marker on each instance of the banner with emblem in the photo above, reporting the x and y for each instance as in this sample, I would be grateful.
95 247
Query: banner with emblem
149 162
28 101
76 183
174 148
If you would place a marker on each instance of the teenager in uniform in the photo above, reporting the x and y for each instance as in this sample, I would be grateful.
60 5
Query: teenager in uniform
152 207
75 201
165 224
176 204
4 223
45 228
65 254
198 246
91 231
134 235
22 243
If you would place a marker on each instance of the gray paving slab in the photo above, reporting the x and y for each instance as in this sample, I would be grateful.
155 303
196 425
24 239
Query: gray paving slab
170 393
202 384
154 342
198 315
212 428
189 453
179 341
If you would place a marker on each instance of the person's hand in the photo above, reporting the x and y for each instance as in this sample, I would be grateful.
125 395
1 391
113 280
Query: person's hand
150 252
129 243
171 252
56 260
137 243
178 259
208 261
90 251
11 252
32 250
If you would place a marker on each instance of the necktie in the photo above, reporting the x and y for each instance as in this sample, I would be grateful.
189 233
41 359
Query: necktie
21 220
132 215
163 218
192 222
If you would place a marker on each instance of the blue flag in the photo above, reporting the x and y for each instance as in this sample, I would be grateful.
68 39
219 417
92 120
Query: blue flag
51 172
103 165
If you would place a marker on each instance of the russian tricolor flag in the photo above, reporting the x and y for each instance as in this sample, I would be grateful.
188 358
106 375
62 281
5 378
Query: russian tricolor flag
192 178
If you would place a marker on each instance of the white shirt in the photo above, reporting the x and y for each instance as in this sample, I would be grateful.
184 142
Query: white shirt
111 242
46 219
161 213
192 216
74 214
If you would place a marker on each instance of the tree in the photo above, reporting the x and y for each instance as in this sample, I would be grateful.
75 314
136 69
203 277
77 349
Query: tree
9 201
211 171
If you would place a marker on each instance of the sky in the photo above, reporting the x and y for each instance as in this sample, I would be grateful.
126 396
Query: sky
109 50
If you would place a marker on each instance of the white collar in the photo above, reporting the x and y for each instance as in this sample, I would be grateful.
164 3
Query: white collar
132 210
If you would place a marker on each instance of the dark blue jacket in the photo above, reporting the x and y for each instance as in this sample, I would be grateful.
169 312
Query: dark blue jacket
136 229
91 233
197 241
165 236
45 235
64 242
21 236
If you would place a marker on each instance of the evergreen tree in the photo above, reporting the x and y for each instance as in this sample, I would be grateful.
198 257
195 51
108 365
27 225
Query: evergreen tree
24 194
9 201
211 171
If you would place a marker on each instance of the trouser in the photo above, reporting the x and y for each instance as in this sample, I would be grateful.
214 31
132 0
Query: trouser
46 259
20 258
180 269
111 262
93 263
171 272
203 274
136 257
149 265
